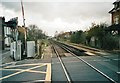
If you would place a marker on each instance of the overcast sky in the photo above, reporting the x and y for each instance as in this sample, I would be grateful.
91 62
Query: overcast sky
59 15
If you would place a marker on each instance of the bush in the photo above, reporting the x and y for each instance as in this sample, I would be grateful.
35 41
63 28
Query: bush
110 42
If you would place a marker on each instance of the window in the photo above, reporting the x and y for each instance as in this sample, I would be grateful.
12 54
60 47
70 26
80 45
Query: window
116 19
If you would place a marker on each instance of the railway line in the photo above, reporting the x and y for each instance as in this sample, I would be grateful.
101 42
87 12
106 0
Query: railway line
95 51
113 58
64 63
77 69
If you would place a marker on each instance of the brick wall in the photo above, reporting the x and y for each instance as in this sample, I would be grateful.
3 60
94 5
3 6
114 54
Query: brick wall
114 15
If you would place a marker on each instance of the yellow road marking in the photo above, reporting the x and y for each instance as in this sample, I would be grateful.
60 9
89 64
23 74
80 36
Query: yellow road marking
26 70
20 72
48 71
36 71
48 74
23 65
34 81
12 69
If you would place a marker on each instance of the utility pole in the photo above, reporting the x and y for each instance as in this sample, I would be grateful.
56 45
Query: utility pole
3 34
25 50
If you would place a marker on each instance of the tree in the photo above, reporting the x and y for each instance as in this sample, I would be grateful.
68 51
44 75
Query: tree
97 31
77 37
34 33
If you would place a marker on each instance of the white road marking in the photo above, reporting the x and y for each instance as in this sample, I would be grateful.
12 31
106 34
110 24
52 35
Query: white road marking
116 59
118 72
9 63
107 60
103 53
36 81
89 53
5 53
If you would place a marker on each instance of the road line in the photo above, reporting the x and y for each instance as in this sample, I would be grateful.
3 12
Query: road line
48 73
8 63
12 69
89 53
118 72
36 71
5 53
116 59
36 81
20 72
24 65
24 69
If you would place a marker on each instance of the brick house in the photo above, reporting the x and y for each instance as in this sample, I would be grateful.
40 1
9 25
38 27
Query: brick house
115 12
115 19
114 29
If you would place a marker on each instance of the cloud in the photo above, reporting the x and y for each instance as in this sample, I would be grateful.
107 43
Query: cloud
59 16
58 0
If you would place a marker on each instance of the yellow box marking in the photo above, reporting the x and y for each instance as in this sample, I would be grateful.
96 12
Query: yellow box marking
48 73
21 72
34 71
23 65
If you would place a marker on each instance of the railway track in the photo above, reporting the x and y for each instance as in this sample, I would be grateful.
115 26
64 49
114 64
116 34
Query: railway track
63 65
97 52
67 72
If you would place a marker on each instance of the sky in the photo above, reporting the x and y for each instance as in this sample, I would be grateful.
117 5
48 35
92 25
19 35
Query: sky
58 15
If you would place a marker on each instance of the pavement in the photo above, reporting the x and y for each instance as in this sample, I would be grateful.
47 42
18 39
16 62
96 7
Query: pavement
48 69
28 70
17 72
5 56
47 53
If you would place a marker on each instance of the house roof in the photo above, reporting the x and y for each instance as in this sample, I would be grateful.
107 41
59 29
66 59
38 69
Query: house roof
115 9
116 1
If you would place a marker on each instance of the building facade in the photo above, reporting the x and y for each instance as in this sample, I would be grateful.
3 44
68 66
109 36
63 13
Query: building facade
115 13
7 31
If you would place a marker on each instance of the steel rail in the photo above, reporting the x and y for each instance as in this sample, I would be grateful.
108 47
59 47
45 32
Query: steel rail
63 66
93 51
103 74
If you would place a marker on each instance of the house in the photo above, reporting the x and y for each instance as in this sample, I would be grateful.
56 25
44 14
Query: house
114 29
7 32
115 19
67 34
115 13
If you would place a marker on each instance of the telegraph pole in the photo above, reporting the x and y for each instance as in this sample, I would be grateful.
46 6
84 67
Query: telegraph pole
25 50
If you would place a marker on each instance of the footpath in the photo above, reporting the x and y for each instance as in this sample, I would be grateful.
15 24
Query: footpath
47 53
